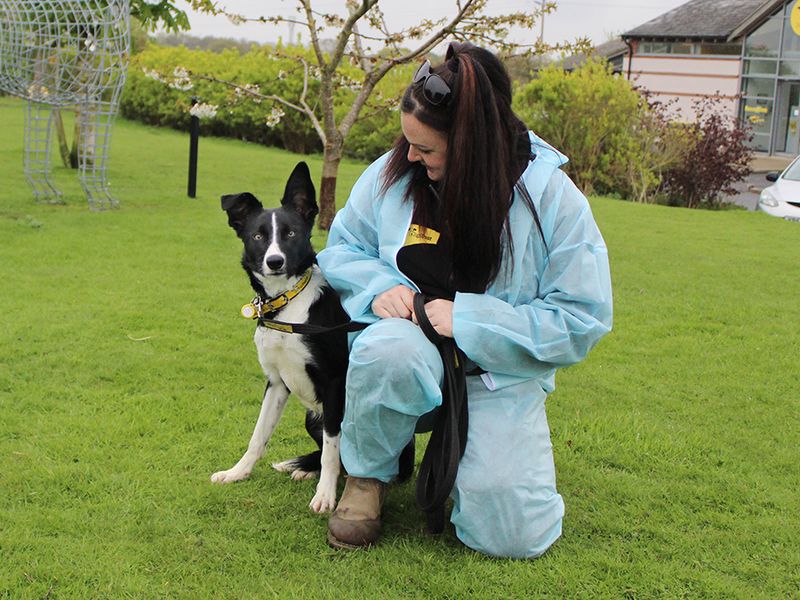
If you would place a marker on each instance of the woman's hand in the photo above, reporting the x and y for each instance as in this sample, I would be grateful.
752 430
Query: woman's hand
440 314
394 302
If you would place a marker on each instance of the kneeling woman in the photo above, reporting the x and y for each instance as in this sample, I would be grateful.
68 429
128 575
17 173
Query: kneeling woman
472 208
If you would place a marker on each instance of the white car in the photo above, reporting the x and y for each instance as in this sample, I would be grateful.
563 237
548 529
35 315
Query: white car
782 198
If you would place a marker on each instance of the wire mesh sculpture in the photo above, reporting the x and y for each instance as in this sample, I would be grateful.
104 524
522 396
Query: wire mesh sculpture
66 53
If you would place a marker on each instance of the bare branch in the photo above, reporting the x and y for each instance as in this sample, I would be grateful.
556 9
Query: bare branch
318 127
302 105
357 11
312 30
376 75
359 50
468 8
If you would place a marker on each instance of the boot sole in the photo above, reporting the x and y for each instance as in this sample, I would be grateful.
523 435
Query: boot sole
335 542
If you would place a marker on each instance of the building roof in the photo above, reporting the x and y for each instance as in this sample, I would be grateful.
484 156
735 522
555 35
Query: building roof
705 19
608 50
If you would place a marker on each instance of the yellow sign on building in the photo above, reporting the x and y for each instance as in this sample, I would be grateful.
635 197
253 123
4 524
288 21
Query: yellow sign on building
795 17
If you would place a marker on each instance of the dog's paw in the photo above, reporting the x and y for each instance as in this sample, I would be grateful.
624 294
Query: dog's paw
229 476
323 503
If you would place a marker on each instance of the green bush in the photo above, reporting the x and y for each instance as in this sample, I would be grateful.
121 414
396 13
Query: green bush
155 102
616 142
275 72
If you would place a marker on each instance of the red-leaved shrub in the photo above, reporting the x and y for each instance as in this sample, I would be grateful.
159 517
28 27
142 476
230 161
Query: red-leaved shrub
716 156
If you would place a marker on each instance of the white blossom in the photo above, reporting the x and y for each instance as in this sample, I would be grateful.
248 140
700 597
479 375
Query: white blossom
183 86
151 74
202 110
181 80
235 19
248 90
275 116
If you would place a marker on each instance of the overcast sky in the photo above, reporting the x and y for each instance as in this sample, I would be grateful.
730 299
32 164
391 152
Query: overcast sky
598 21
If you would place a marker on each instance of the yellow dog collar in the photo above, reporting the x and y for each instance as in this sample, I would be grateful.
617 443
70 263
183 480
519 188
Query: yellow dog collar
258 307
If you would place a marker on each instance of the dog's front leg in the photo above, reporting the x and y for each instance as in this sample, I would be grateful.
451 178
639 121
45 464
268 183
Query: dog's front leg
271 410
325 498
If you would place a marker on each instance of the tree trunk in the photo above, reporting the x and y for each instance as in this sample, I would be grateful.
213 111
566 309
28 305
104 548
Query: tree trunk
76 140
331 158
63 146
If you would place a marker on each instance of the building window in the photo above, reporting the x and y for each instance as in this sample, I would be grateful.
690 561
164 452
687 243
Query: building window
758 113
653 48
764 40
790 68
680 48
720 49
764 68
759 87
666 48
689 48
791 41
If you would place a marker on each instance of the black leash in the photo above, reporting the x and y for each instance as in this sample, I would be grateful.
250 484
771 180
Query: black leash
439 467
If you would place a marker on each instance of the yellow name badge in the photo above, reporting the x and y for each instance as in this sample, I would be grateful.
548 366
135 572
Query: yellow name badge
419 234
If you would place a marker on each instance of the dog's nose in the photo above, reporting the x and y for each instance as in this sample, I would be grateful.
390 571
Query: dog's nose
274 262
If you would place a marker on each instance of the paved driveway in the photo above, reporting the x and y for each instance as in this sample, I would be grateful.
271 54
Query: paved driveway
747 191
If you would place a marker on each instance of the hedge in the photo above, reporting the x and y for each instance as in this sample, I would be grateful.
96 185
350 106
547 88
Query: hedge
274 72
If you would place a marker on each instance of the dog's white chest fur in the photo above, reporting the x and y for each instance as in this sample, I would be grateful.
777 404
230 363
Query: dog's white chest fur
284 356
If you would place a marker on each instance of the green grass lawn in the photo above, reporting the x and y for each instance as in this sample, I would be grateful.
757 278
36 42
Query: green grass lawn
127 378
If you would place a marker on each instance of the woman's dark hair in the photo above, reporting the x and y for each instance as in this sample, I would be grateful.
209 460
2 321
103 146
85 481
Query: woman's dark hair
487 150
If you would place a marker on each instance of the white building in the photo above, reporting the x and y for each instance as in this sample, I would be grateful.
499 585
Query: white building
747 52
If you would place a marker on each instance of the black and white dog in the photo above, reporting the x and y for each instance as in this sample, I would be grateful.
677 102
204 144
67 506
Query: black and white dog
281 263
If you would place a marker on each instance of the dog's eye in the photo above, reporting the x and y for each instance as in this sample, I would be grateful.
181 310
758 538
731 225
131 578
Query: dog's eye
258 236
290 233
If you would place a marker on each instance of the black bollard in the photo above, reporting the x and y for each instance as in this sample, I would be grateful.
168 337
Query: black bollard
194 136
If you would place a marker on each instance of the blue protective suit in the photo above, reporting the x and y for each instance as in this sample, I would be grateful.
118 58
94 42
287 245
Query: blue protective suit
546 309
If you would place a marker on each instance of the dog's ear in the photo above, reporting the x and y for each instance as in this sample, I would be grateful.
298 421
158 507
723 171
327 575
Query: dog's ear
300 194
240 207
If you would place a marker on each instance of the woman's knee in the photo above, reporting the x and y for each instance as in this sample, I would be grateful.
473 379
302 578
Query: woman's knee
395 346
394 366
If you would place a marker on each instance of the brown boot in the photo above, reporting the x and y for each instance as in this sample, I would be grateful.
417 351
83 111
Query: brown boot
356 522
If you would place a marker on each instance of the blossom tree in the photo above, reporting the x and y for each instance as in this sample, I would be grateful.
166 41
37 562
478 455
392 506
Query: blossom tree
363 38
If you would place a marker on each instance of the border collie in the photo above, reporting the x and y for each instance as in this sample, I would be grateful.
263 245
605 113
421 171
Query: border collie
278 259
281 265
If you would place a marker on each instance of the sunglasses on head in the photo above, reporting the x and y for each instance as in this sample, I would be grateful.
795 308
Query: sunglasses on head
434 88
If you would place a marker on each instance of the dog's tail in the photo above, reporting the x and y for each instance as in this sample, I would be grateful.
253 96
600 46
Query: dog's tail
309 464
